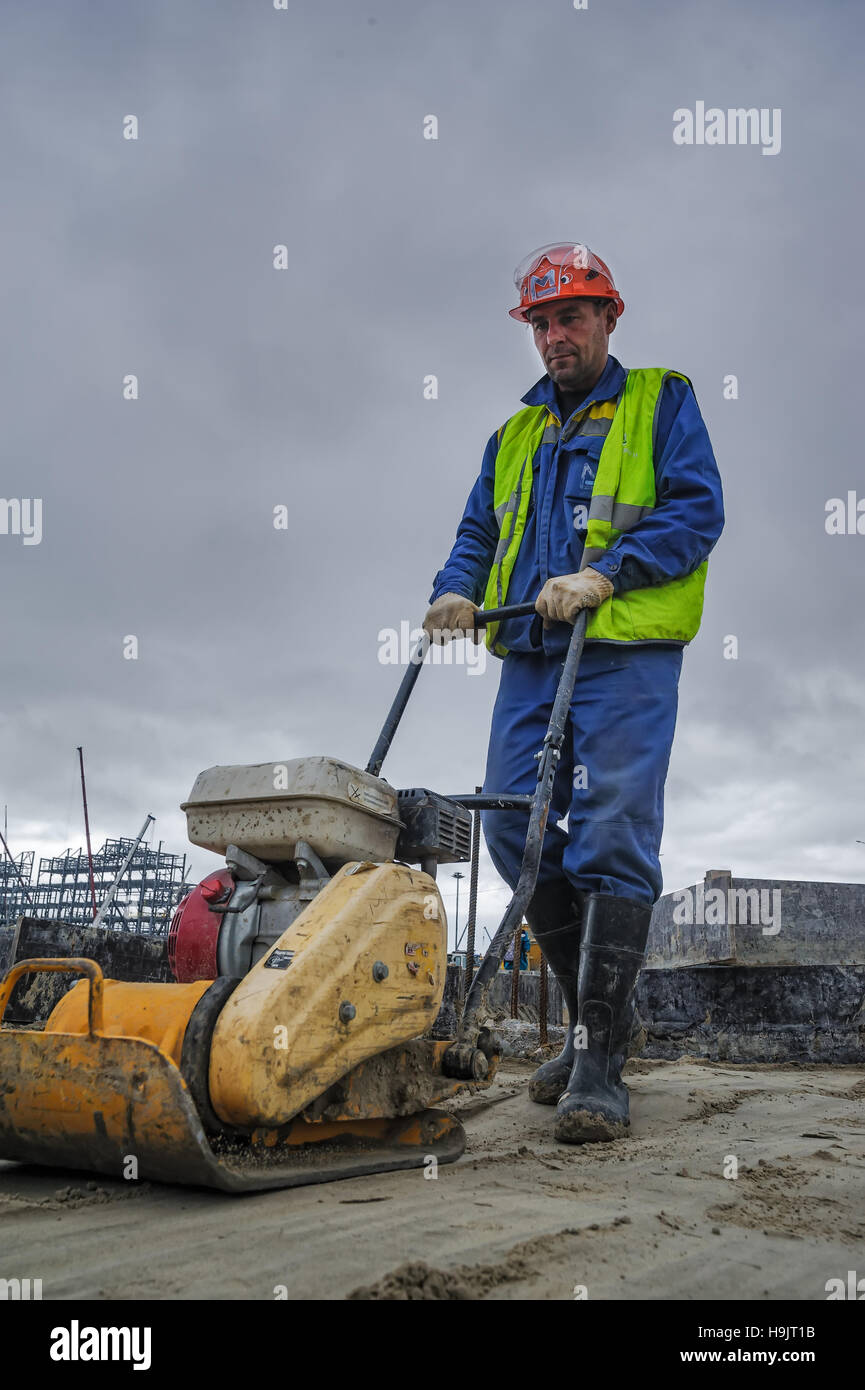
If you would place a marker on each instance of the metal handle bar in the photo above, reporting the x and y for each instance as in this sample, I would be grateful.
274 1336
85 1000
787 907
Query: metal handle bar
74 963
416 660
548 760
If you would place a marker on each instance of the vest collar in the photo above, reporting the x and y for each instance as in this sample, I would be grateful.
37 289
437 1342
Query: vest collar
610 384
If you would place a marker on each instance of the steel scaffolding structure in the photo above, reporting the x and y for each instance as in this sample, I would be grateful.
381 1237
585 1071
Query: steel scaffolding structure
145 900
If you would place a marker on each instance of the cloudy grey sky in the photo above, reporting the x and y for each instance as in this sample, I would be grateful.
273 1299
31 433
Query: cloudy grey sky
304 386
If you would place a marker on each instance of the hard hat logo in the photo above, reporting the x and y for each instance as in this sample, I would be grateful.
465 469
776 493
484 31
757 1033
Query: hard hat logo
560 271
543 286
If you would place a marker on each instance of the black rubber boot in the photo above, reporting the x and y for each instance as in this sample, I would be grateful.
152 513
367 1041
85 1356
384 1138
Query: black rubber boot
555 916
594 1106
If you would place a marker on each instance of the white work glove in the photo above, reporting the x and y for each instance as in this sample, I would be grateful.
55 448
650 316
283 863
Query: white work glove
561 599
451 616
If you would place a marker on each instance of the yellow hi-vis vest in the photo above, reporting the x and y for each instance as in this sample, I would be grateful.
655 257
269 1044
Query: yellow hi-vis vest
623 493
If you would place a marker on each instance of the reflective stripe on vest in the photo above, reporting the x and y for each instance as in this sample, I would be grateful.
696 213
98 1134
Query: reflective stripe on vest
623 493
512 488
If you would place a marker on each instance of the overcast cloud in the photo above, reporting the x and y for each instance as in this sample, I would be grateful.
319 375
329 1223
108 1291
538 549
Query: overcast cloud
305 387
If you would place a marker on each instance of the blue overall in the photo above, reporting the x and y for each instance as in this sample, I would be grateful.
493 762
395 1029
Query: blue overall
623 711
623 714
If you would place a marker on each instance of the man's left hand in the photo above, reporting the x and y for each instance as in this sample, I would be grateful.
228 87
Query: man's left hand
561 599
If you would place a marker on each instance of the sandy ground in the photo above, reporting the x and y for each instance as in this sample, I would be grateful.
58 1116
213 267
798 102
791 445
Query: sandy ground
519 1217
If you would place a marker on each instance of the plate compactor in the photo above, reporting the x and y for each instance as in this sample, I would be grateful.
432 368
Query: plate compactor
294 1045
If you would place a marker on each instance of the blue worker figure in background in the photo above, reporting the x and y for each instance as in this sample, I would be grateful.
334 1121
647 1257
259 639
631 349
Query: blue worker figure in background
524 953
601 493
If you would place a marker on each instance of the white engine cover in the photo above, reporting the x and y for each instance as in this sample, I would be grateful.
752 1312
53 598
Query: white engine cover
342 813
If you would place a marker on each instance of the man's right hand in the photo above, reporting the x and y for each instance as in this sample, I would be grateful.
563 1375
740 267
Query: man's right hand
451 616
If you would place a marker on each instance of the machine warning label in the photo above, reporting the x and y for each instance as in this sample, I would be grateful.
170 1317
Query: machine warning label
370 797
279 960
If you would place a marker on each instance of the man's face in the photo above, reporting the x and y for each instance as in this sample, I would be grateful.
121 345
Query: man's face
572 336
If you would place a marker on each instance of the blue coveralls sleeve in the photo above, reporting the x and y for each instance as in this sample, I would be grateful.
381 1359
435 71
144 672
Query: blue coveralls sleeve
467 567
688 517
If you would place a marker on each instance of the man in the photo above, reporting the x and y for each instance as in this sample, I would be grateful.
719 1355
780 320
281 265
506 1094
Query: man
601 493
508 961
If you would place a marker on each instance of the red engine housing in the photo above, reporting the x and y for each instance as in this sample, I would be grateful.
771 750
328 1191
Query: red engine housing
195 928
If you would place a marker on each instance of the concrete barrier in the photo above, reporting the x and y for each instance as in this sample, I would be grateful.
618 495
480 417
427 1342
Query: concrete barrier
810 1013
122 955
758 921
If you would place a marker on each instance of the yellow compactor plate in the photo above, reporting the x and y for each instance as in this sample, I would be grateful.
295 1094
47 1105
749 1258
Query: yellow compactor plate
98 1100
119 1106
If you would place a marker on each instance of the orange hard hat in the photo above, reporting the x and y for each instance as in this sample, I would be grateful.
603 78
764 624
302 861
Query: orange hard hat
559 271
